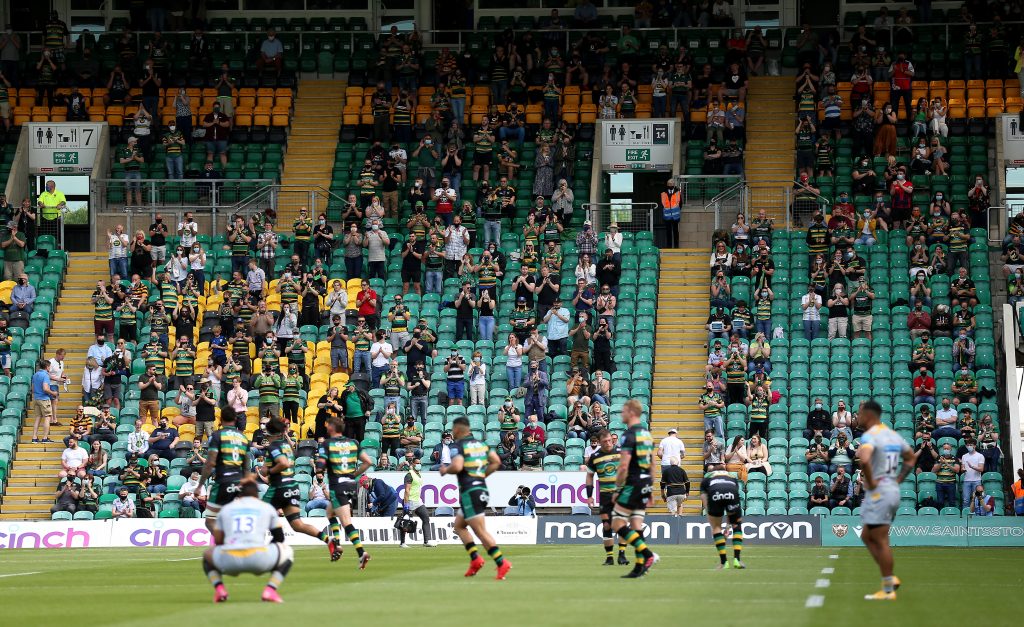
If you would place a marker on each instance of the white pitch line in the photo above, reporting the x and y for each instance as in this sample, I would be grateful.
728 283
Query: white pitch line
822 583
185 559
827 571
833 557
815 600
34 572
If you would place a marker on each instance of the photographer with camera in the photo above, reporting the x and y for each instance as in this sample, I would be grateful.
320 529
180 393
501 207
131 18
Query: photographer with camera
412 503
522 501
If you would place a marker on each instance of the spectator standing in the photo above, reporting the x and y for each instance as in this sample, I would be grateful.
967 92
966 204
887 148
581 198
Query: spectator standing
671 448
972 463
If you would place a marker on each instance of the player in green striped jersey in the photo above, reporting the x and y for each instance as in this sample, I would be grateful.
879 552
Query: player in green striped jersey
227 463
344 463
472 464
604 463
634 484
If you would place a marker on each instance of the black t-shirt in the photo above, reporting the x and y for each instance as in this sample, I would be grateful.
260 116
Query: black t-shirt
547 294
465 308
415 355
521 290
390 180
158 238
837 310
319 231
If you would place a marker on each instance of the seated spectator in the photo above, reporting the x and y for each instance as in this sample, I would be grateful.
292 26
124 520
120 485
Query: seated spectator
508 451
819 422
919 321
23 295
96 465
163 439
982 504
925 423
533 427
532 452
819 496
841 453
578 420
942 322
926 454
924 387
923 355
80 425
271 53
711 450
146 500
817 455
965 387
318 492
191 492
841 490
842 420
122 506
946 421
963 352
73 460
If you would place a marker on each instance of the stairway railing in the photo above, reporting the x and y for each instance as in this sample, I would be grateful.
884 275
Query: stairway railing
732 197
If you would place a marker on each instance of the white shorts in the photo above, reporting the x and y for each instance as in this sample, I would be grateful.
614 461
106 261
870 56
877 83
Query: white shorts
880 505
256 560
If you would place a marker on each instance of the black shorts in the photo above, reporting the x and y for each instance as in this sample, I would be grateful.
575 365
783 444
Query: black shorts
606 501
473 501
721 503
223 492
343 494
483 158
634 495
284 495
411 275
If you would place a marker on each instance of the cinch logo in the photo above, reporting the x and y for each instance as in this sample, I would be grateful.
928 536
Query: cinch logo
555 493
66 538
170 537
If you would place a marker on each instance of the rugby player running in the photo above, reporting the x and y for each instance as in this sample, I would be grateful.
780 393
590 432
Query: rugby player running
344 463
472 463
284 492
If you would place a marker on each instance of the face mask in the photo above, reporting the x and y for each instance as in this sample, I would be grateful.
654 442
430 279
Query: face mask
970 449
817 405
417 467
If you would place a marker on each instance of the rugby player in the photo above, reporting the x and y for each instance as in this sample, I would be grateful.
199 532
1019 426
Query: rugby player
240 535
605 464
228 463
720 494
885 461
344 463
633 487
472 463
283 492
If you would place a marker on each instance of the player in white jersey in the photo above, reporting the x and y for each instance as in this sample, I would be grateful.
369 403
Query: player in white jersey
240 534
885 460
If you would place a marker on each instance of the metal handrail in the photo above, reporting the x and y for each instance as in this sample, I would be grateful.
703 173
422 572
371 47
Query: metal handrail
816 194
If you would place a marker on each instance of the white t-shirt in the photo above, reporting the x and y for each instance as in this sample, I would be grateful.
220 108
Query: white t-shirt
945 415
384 356
975 458
118 246
671 446
76 457
188 233
814 311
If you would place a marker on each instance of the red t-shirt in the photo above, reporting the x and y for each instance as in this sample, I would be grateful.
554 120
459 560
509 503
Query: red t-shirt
926 382
368 308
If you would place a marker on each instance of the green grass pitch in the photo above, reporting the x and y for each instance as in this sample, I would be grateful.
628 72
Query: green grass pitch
548 585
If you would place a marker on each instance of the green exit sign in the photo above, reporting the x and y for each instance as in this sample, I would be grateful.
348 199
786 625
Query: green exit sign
65 158
638 154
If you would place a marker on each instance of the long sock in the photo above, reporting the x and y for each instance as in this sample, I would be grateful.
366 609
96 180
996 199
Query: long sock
325 534
353 537
720 546
212 574
335 526
471 549
495 553
277 576
737 542
633 537
608 550
889 584
622 545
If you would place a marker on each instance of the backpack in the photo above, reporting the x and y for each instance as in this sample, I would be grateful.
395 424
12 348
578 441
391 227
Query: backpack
556 449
